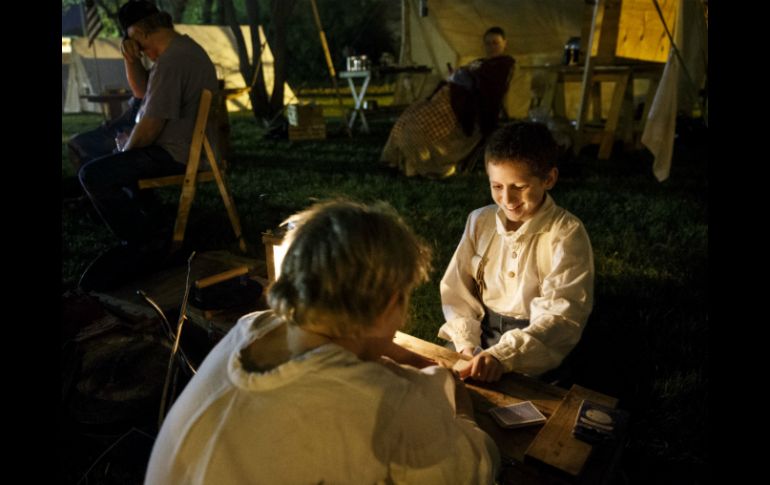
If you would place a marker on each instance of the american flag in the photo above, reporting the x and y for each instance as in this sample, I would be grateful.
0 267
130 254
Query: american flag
93 21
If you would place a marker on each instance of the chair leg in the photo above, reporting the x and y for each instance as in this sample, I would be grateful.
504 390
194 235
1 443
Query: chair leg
226 197
183 213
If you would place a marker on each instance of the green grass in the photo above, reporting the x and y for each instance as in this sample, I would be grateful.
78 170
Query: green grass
647 339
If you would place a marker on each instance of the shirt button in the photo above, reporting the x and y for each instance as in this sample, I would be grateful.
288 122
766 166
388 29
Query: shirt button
511 274
513 254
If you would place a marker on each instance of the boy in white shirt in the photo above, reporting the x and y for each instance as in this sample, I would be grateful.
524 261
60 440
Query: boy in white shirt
519 289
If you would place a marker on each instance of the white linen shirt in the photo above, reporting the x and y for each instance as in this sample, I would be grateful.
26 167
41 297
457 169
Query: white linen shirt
557 304
322 417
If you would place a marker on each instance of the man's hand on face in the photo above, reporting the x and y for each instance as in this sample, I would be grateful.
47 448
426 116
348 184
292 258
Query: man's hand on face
131 50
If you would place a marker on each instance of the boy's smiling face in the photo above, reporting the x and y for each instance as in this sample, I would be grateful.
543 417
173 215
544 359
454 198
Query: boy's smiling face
517 191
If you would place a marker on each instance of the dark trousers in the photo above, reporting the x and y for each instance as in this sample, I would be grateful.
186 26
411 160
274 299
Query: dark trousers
494 325
100 141
111 184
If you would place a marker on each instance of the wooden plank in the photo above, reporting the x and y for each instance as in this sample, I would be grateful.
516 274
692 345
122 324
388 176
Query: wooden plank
224 276
554 446
227 198
621 84
436 352
166 287
608 35
596 98
511 389
205 176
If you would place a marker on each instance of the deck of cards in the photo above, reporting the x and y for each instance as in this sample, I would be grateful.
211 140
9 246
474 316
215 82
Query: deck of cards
517 415
597 424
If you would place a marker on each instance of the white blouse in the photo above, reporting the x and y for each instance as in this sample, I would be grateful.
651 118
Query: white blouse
322 417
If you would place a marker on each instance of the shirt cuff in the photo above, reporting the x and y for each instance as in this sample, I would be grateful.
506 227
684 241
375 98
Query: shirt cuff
461 337
504 354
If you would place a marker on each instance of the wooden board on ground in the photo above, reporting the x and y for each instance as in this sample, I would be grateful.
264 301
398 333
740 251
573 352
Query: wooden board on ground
217 323
166 287
554 446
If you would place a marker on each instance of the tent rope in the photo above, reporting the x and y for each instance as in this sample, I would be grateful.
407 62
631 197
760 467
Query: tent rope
690 80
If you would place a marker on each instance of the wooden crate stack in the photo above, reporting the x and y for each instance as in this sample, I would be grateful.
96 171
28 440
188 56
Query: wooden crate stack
306 122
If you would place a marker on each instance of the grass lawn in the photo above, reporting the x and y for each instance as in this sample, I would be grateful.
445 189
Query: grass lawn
647 339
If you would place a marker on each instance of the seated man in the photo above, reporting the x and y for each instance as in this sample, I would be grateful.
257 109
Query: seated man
301 393
158 144
86 146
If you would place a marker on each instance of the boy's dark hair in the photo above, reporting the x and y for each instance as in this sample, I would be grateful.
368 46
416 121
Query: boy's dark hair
495 30
526 142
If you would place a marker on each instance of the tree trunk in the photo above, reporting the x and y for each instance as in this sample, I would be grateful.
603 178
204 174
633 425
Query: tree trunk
281 11
207 12
264 108
221 12
255 79
177 10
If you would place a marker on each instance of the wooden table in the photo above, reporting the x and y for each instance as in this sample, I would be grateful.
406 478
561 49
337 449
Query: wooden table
622 76
113 101
545 454
358 97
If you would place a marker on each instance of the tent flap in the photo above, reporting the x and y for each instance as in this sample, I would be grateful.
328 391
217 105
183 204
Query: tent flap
101 67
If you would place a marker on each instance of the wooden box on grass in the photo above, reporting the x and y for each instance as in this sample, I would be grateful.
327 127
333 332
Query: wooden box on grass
306 122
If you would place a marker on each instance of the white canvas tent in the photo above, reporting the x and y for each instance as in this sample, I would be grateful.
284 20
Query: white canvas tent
89 73
537 30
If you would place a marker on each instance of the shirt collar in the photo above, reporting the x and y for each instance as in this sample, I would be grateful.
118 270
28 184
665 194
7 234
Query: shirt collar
538 223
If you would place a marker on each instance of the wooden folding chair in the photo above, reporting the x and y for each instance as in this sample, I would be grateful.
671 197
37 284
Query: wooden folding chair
192 176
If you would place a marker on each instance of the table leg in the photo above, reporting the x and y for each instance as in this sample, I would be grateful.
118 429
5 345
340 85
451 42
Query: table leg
608 137
358 99
651 90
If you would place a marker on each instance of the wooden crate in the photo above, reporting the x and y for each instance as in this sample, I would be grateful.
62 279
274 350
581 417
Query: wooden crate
306 122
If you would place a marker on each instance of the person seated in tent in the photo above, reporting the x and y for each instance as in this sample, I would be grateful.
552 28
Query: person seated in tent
432 136
157 146
519 289
300 393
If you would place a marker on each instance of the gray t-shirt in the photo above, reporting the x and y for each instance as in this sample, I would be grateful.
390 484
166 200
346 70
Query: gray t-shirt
174 90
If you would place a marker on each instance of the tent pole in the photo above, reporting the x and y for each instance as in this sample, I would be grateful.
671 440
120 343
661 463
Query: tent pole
329 64
587 74
693 86
99 81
